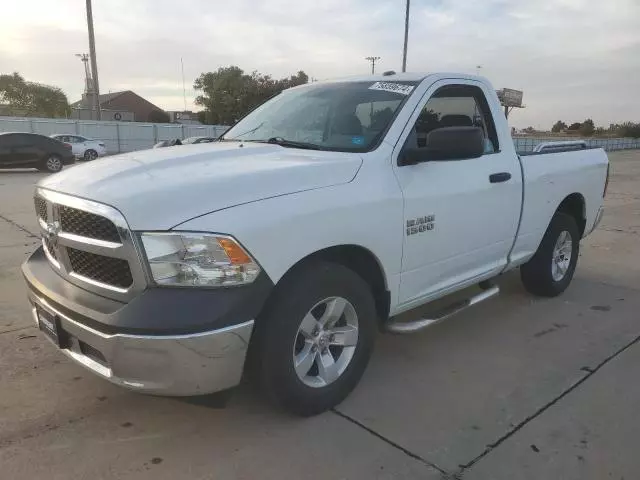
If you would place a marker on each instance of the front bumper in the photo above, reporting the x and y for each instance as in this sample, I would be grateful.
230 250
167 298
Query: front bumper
175 342
176 365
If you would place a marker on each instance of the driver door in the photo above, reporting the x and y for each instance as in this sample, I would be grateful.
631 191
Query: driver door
459 226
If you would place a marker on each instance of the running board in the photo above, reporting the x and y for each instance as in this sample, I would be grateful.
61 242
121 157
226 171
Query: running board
411 327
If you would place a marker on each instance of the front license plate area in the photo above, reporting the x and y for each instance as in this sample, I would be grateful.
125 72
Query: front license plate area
49 324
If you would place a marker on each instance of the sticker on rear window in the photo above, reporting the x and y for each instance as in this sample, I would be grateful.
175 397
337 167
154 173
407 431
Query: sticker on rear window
392 87
357 140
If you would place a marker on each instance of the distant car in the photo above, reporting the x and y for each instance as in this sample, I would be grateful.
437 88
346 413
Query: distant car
168 143
30 150
82 147
189 140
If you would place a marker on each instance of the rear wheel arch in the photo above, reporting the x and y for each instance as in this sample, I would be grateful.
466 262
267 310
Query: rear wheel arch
575 206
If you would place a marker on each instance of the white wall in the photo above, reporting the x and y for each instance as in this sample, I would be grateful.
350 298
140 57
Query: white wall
117 136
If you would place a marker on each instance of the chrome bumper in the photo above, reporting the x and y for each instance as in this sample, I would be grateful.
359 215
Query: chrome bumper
178 365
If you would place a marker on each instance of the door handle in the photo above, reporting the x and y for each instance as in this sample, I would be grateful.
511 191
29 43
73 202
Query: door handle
499 177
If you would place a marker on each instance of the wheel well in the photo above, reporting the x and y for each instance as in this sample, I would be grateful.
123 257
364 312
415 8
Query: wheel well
574 205
362 262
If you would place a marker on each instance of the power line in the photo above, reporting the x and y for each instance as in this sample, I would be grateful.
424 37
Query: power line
373 61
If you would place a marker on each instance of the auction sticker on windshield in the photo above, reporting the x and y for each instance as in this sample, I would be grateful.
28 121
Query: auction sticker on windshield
392 87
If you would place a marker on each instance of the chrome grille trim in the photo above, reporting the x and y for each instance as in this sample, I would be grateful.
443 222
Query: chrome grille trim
49 254
57 254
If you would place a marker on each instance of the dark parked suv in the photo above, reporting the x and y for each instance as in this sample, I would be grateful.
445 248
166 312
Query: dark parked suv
30 150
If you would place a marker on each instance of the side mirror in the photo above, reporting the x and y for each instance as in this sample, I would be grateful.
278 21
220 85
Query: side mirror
447 143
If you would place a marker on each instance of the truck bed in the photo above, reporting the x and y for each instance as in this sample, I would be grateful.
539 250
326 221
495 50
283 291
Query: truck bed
549 178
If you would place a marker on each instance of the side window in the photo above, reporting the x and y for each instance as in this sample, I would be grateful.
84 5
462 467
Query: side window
78 139
457 106
8 140
21 141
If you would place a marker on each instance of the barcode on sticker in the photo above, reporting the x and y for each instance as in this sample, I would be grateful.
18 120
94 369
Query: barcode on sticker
392 87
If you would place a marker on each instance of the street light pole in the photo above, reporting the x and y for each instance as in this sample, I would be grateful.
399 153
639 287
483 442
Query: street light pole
406 39
94 62
373 61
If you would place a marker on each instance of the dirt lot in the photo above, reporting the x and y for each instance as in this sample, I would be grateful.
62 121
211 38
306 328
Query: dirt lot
517 388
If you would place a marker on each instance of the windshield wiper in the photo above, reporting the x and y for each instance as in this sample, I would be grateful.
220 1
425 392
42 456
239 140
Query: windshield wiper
242 134
283 142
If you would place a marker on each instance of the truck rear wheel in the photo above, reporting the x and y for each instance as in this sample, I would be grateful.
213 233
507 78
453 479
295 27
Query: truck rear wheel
314 339
551 269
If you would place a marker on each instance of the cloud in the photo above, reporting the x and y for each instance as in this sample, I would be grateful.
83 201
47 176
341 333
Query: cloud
572 58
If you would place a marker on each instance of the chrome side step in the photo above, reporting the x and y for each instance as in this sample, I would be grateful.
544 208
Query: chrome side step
411 327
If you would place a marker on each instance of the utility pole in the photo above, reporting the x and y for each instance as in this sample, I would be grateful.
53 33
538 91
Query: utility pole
94 61
373 61
406 39
184 91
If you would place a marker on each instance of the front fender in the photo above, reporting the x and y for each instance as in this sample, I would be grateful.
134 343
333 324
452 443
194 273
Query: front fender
279 232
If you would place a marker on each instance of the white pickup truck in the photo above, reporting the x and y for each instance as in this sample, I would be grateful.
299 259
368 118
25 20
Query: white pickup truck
307 229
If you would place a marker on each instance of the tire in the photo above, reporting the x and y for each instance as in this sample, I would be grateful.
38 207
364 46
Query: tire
544 274
282 338
90 155
52 163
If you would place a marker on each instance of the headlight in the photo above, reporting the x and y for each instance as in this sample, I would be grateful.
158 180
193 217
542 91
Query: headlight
198 259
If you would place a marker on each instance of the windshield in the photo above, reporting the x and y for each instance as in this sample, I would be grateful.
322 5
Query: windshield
349 116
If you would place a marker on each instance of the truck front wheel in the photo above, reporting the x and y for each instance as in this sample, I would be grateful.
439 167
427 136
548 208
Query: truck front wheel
550 270
315 337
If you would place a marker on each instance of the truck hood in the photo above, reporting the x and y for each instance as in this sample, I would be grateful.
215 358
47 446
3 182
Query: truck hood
161 188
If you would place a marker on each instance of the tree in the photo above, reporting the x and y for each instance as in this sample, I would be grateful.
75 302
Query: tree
627 129
158 116
574 126
228 93
559 126
529 130
32 99
587 128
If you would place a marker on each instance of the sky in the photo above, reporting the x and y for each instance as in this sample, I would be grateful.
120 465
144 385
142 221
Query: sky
573 59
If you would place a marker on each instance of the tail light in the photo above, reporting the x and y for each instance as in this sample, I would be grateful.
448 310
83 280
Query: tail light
606 181
67 145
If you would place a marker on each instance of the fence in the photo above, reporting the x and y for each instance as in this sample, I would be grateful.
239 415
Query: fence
117 136
128 136
527 144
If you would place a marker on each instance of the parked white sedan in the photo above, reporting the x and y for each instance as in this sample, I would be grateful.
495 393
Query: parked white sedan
82 147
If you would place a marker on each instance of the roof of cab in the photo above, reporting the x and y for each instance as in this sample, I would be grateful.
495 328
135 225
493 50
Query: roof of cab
399 76
403 76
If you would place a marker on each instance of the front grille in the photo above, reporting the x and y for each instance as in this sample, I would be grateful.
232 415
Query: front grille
41 208
88 224
112 271
50 249
69 228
